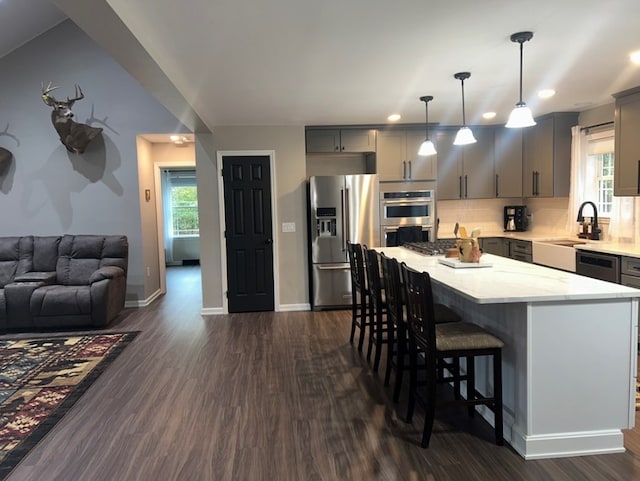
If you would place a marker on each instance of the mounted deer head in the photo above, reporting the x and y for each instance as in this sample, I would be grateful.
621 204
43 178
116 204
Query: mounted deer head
74 136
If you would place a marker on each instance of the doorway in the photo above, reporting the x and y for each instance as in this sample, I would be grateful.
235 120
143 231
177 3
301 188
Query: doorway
248 231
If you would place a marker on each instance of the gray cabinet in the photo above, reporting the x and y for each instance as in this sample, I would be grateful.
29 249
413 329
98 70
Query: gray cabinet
508 162
466 172
340 140
547 155
519 250
626 173
493 245
397 156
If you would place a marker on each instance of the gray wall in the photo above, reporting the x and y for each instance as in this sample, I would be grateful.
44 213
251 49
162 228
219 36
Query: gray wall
48 191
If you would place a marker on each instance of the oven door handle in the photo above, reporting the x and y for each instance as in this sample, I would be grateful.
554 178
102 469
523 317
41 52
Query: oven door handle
408 201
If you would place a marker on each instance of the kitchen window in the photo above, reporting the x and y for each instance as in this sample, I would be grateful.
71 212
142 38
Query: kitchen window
600 170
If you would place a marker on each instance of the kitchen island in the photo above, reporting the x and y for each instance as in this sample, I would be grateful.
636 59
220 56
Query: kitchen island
569 361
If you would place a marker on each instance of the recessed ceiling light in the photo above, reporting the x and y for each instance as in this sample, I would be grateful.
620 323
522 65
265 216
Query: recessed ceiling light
546 93
393 117
488 115
635 57
174 138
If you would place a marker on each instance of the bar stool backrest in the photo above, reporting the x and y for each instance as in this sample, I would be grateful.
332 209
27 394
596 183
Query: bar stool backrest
356 262
392 288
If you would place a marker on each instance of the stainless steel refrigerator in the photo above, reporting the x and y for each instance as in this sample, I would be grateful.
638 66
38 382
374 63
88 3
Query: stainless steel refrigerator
342 209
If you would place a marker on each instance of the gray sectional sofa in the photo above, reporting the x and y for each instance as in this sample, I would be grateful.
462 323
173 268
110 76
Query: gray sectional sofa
61 282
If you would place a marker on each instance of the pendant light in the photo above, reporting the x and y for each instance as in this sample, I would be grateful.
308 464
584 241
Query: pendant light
427 147
521 114
464 135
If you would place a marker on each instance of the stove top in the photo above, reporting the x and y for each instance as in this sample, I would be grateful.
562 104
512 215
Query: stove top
434 248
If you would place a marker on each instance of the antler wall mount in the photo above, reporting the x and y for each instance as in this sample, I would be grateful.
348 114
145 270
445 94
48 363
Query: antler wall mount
73 135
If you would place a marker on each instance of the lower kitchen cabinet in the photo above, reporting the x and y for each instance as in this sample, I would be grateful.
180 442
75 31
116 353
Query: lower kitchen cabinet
519 250
630 272
493 245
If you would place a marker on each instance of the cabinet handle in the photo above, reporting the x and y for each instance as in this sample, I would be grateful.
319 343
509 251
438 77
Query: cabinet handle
533 182
537 182
404 169
466 187
337 148
409 170
460 186
342 148
638 191
497 194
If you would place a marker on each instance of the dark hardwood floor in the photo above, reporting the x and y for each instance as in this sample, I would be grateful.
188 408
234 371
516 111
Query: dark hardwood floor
268 397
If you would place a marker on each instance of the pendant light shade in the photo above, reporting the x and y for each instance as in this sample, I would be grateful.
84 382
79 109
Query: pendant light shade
521 115
464 135
427 147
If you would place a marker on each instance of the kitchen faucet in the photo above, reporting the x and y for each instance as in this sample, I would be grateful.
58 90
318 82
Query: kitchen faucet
595 231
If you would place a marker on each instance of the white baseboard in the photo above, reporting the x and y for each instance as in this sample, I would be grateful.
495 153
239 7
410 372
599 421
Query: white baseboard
143 302
293 307
211 311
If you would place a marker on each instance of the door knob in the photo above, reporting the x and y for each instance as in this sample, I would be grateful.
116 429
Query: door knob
269 241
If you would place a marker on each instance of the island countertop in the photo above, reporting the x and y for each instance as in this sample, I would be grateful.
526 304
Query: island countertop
507 280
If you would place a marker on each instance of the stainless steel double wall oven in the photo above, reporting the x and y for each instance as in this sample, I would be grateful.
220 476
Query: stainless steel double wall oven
403 208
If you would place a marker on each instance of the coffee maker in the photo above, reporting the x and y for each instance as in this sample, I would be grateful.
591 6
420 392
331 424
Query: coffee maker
515 218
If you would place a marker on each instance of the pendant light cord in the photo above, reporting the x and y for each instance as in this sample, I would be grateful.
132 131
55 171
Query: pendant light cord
426 115
521 48
464 121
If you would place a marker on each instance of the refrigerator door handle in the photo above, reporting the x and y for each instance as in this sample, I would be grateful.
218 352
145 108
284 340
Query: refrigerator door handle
347 217
343 199
343 267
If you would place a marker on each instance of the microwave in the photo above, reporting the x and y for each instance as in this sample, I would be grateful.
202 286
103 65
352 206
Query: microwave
407 208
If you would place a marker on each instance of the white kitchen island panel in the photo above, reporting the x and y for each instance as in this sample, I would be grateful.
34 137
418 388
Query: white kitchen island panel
569 361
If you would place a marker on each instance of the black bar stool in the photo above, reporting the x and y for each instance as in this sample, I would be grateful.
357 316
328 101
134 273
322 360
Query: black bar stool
454 340
359 293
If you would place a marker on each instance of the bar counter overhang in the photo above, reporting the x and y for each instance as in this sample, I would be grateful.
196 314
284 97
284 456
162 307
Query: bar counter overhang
569 361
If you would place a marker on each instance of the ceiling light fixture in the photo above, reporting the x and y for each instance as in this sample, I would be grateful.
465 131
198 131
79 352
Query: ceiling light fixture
546 93
635 57
521 115
393 117
427 147
464 135
489 115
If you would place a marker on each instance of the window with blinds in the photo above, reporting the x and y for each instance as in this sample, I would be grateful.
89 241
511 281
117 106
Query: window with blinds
600 146
184 202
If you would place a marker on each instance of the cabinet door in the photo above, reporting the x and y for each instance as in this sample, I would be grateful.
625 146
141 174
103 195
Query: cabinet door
494 245
537 174
418 167
508 162
626 173
323 141
357 140
478 179
390 155
449 160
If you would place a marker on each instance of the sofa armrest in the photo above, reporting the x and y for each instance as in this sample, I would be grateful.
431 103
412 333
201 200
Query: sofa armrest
107 272
47 278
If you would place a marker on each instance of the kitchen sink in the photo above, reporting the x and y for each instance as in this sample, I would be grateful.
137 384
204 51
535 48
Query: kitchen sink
565 242
559 253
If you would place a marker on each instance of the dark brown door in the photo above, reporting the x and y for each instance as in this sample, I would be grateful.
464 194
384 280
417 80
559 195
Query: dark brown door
247 201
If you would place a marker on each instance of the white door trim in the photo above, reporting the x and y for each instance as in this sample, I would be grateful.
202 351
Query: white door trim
157 181
223 242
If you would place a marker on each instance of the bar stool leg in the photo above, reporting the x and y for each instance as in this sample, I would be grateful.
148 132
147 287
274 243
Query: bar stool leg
497 395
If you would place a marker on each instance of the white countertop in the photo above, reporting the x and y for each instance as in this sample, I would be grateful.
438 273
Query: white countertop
508 281
617 248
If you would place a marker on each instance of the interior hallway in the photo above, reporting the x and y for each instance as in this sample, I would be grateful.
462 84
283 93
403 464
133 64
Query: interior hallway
267 397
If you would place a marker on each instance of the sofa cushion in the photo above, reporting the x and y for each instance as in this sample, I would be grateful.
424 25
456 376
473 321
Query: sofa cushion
15 257
3 309
45 253
59 300
82 255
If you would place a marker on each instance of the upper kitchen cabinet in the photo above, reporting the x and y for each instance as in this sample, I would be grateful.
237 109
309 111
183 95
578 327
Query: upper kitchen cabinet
547 155
508 162
626 173
466 172
340 140
397 156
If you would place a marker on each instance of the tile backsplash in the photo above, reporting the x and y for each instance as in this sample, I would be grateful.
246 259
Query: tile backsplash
548 216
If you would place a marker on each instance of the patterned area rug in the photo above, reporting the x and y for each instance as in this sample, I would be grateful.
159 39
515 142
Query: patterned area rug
41 379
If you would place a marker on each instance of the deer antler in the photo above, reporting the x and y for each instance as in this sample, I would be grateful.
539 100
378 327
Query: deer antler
46 98
79 96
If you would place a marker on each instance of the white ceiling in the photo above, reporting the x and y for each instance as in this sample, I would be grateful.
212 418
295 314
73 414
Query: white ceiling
303 62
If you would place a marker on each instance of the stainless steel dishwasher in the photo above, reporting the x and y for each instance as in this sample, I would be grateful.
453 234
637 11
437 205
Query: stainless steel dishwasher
605 267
